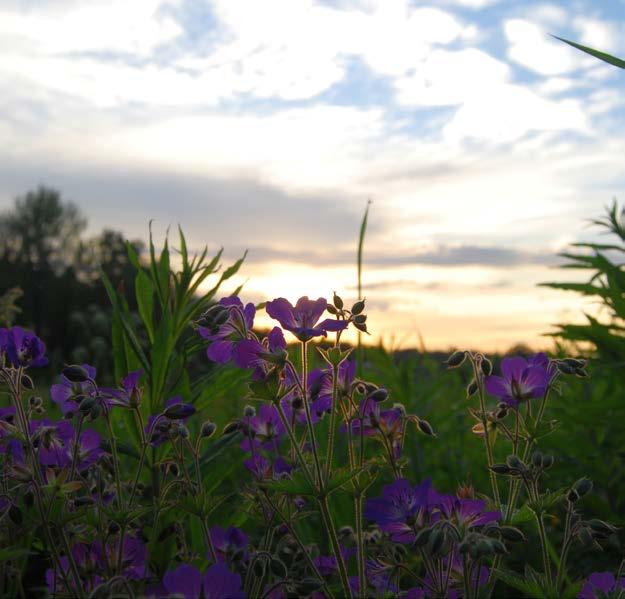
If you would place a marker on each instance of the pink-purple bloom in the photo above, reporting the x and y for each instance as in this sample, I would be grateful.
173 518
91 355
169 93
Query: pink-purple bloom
218 582
521 379
251 353
303 319
67 394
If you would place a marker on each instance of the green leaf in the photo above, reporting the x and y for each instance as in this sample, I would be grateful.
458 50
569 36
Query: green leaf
529 587
12 553
613 60
144 291
296 485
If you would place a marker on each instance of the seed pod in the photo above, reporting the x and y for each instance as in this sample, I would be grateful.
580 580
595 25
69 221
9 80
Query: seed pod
358 307
583 486
337 301
547 462
456 359
472 388
75 374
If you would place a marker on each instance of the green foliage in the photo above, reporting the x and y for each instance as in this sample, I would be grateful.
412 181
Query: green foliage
8 306
613 60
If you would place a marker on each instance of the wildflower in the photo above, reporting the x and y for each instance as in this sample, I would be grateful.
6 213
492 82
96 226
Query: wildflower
68 395
263 430
217 583
377 422
467 513
302 319
402 509
22 348
263 469
225 336
229 542
522 379
128 394
600 584
251 353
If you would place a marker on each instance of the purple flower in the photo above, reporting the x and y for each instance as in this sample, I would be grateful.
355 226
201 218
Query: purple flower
467 513
129 392
65 394
227 335
229 542
600 584
376 422
251 353
263 430
263 469
23 348
217 583
522 379
402 509
302 320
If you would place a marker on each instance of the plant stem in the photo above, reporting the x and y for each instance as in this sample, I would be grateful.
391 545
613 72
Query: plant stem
336 547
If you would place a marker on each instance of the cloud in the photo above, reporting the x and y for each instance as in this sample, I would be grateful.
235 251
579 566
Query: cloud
531 47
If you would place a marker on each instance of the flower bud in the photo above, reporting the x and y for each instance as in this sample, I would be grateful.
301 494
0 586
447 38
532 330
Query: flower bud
259 568
345 532
232 427
514 462
565 367
183 432
422 537
572 496
27 382
501 469
547 462
87 404
208 429
178 411
358 307
537 459
114 528
601 528
472 388
361 327
487 366
498 547
585 536
75 374
456 359
583 486
435 541
249 411
426 428
15 514
360 319
277 567
95 412
512 534
379 395
332 310
337 301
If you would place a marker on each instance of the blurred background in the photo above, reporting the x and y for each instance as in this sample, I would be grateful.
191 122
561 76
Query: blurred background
484 144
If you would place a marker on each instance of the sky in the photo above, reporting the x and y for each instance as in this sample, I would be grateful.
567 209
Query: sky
484 144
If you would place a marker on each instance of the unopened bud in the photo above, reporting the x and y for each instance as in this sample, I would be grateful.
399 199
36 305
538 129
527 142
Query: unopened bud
208 429
232 427
514 462
27 382
337 301
277 568
512 534
75 374
360 319
379 395
456 359
358 307
537 459
501 469
583 486
113 528
249 411
179 411
487 366
426 428
547 462
472 388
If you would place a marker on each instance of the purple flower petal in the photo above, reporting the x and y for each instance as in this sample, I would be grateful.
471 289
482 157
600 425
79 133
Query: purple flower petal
512 368
220 351
184 580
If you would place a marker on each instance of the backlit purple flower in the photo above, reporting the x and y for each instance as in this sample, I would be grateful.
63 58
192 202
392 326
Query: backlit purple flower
67 394
23 348
128 393
377 422
217 583
302 319
599 585
521 379
251 353
263 469
235 329
403 509
467 513
185 581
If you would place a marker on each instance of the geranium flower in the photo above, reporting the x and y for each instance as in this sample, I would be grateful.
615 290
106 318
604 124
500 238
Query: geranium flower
228 542
302 319
467 513
375 422
600 584
264 430
223 341
217 583
251 353
128 393
402 509
66 393
521 379
22 348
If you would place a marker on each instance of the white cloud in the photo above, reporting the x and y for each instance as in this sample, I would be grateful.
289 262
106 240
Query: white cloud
598 34
531 46
448 78
136 27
